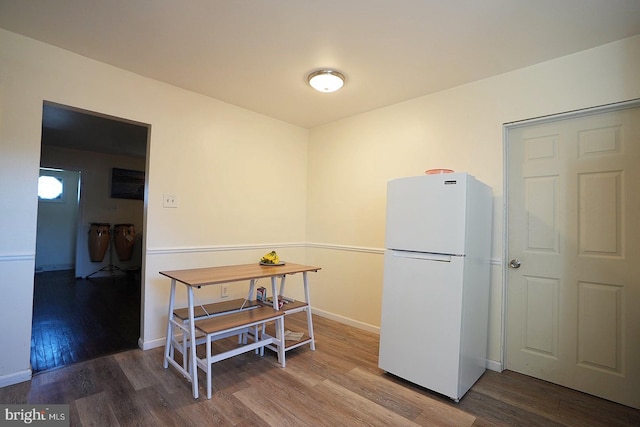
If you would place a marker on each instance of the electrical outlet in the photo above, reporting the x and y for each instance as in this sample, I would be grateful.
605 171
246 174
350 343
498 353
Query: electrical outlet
169 201
224 291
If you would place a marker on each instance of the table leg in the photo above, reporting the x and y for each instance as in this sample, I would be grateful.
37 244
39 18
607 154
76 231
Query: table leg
282 285
274 293
193 366
308 301
167 345
252 286
279 323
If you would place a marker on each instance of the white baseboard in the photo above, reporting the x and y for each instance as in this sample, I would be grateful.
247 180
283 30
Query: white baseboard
492 365
347 321
148 345
15 378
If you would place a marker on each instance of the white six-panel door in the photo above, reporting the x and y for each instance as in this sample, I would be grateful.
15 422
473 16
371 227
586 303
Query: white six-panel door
573 304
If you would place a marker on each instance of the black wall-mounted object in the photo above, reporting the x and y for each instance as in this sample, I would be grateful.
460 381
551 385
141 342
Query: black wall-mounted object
127 184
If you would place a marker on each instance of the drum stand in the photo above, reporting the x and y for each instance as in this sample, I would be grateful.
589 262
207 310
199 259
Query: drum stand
111 267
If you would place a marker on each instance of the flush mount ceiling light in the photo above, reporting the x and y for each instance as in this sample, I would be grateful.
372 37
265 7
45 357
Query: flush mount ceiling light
326 80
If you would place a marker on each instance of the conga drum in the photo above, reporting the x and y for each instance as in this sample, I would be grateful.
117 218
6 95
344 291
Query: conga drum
124 239
99 236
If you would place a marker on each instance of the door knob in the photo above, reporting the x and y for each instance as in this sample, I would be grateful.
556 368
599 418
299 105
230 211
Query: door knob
514 263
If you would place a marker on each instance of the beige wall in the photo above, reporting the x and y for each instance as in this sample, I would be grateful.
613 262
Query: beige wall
240 179
351 160
247 183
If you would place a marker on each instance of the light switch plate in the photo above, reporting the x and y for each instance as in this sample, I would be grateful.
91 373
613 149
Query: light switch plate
169 201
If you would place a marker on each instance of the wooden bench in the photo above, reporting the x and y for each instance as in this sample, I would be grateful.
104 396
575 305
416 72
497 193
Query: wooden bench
229 324
214 309
181 317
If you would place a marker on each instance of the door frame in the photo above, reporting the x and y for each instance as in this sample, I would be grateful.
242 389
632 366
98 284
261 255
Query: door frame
506 127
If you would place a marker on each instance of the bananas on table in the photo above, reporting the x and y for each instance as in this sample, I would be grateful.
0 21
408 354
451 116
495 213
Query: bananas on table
270 258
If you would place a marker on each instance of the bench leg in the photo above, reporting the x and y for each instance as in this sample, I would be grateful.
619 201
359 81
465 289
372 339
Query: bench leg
168 347
280 336
255 338
209 367
261 334
185 356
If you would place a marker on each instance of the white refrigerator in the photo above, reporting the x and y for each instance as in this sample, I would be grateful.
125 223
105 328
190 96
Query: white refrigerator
435 299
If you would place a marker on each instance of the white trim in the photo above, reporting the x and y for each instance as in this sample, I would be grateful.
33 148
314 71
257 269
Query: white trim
632 103
494 365
148 345
347 321
204 249
317 245
194 249
162 251
17 257
369 250
15 378
349 248
505 247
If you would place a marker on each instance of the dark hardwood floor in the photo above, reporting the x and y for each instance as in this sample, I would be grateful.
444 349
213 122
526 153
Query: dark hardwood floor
339 384
75 320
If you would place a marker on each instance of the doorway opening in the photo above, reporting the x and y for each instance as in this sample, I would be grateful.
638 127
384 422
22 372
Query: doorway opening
86 306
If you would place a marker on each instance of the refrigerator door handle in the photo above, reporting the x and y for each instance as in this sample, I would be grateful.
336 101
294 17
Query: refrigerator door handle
422 255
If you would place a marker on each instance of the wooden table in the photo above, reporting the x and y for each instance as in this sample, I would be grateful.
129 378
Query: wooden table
195 278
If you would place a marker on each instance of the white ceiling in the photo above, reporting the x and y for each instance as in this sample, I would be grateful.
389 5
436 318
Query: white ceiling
256 53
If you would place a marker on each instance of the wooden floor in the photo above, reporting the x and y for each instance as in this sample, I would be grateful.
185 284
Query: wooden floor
78 319
337 385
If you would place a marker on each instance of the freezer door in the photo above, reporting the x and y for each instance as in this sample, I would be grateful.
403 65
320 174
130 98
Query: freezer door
427 213
421 319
